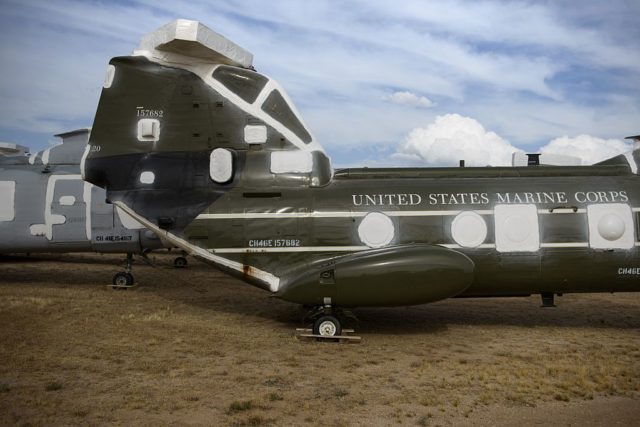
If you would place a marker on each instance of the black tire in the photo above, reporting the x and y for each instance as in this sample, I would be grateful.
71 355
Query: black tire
327 326
180 262
122 280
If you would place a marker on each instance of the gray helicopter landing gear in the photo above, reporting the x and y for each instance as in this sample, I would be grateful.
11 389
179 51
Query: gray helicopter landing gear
326 324
547 300
181 261
124 279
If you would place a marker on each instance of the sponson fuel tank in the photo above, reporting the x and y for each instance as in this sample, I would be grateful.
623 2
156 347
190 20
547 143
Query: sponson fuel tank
397 275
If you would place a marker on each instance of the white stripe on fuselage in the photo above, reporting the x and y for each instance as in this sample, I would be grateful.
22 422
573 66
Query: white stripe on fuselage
632 162
354 214
351 214
291 249
364 248
340 214
86 196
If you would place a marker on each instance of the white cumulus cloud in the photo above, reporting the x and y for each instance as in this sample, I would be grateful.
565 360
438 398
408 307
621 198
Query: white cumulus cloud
590 148
453 137
410 99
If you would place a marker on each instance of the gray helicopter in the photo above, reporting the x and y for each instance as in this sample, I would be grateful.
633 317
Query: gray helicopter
46 206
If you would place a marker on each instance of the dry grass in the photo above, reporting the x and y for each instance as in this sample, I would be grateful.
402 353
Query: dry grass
194 346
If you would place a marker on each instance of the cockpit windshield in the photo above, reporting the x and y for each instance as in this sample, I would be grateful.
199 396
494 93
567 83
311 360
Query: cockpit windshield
246 84
276 106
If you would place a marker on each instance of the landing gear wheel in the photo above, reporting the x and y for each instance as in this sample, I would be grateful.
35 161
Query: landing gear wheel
180 262
328 326
122 280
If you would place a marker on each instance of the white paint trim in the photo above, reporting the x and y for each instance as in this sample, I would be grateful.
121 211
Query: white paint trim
281 215
38 229
255 134
290 249
67 200
560 211
45 156
632 162
255 109
264 94
270 279
600 238
83 160
108 78
7 201
364 248
147 177
542 245
51 219
291 162
205 72
342 214
456 246
127 220
346 214
437 212
517 228
565 245
86 196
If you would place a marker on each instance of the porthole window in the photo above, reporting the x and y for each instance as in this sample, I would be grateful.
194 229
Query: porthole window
610 226
469 229
376 230
517 228
221 165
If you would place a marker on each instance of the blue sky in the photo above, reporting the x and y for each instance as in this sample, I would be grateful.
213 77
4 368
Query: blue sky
379 83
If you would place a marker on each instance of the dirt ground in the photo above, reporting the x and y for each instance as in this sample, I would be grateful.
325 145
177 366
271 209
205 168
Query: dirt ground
196 347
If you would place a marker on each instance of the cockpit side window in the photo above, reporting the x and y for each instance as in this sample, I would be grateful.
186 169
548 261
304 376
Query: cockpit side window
277 107
246 84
